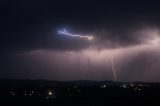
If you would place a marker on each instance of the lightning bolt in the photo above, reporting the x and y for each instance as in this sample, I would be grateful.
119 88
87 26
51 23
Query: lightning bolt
65 32
113 68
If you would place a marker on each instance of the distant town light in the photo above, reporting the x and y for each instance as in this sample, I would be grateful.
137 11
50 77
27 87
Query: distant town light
132 85
12 93
103 86
124 86
49 93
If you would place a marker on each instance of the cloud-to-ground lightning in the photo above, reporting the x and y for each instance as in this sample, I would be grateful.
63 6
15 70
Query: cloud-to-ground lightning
65 32
113 68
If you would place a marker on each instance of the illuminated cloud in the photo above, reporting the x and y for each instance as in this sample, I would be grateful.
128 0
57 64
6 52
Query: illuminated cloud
95 62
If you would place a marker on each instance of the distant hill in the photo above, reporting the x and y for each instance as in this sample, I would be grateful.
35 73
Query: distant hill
41 82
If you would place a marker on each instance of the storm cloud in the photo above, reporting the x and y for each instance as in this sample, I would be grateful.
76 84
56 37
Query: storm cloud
31 48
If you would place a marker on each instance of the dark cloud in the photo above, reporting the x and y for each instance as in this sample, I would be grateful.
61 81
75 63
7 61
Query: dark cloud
33 24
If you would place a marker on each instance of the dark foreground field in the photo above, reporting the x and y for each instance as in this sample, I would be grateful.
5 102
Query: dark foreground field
79 93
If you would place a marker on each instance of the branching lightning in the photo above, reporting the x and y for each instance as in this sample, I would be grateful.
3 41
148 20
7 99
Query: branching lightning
65 32
113 68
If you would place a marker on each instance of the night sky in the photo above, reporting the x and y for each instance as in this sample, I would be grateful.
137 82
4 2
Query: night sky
126 40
